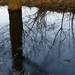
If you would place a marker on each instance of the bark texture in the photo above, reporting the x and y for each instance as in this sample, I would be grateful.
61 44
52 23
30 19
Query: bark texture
14 4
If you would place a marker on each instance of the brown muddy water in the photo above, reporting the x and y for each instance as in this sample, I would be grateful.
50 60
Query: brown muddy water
37 42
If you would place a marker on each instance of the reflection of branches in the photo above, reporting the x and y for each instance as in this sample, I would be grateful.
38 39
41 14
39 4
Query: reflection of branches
39 37
72 27
52 43
39 33
36 20
55 39
4 39
39 22
60 29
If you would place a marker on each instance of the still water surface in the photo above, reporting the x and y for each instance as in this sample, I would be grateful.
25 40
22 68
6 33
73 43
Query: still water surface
46 41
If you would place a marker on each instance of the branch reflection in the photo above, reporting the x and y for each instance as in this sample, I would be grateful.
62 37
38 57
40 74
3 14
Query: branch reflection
41 33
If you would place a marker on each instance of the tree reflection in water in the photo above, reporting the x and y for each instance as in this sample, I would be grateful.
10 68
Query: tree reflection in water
36 25
48 41
45 35
16 29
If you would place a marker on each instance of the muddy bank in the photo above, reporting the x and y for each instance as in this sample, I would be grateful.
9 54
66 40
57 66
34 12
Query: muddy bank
60 5
38 2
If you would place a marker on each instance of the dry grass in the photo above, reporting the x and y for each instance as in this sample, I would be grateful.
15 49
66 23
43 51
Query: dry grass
12 71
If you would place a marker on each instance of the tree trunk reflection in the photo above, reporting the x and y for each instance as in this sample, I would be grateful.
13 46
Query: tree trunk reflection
16 38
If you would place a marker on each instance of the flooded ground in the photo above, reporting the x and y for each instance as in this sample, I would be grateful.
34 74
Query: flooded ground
37 41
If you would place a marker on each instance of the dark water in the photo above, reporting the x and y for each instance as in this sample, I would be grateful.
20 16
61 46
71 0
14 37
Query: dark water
37 41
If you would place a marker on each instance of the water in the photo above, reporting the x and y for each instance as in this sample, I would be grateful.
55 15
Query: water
46 41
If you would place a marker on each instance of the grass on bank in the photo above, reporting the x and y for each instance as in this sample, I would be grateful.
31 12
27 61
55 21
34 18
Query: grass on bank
13 72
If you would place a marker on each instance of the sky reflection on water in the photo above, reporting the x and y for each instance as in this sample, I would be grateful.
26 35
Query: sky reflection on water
48 41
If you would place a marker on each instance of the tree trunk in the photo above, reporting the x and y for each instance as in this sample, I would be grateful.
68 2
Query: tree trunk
14 4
